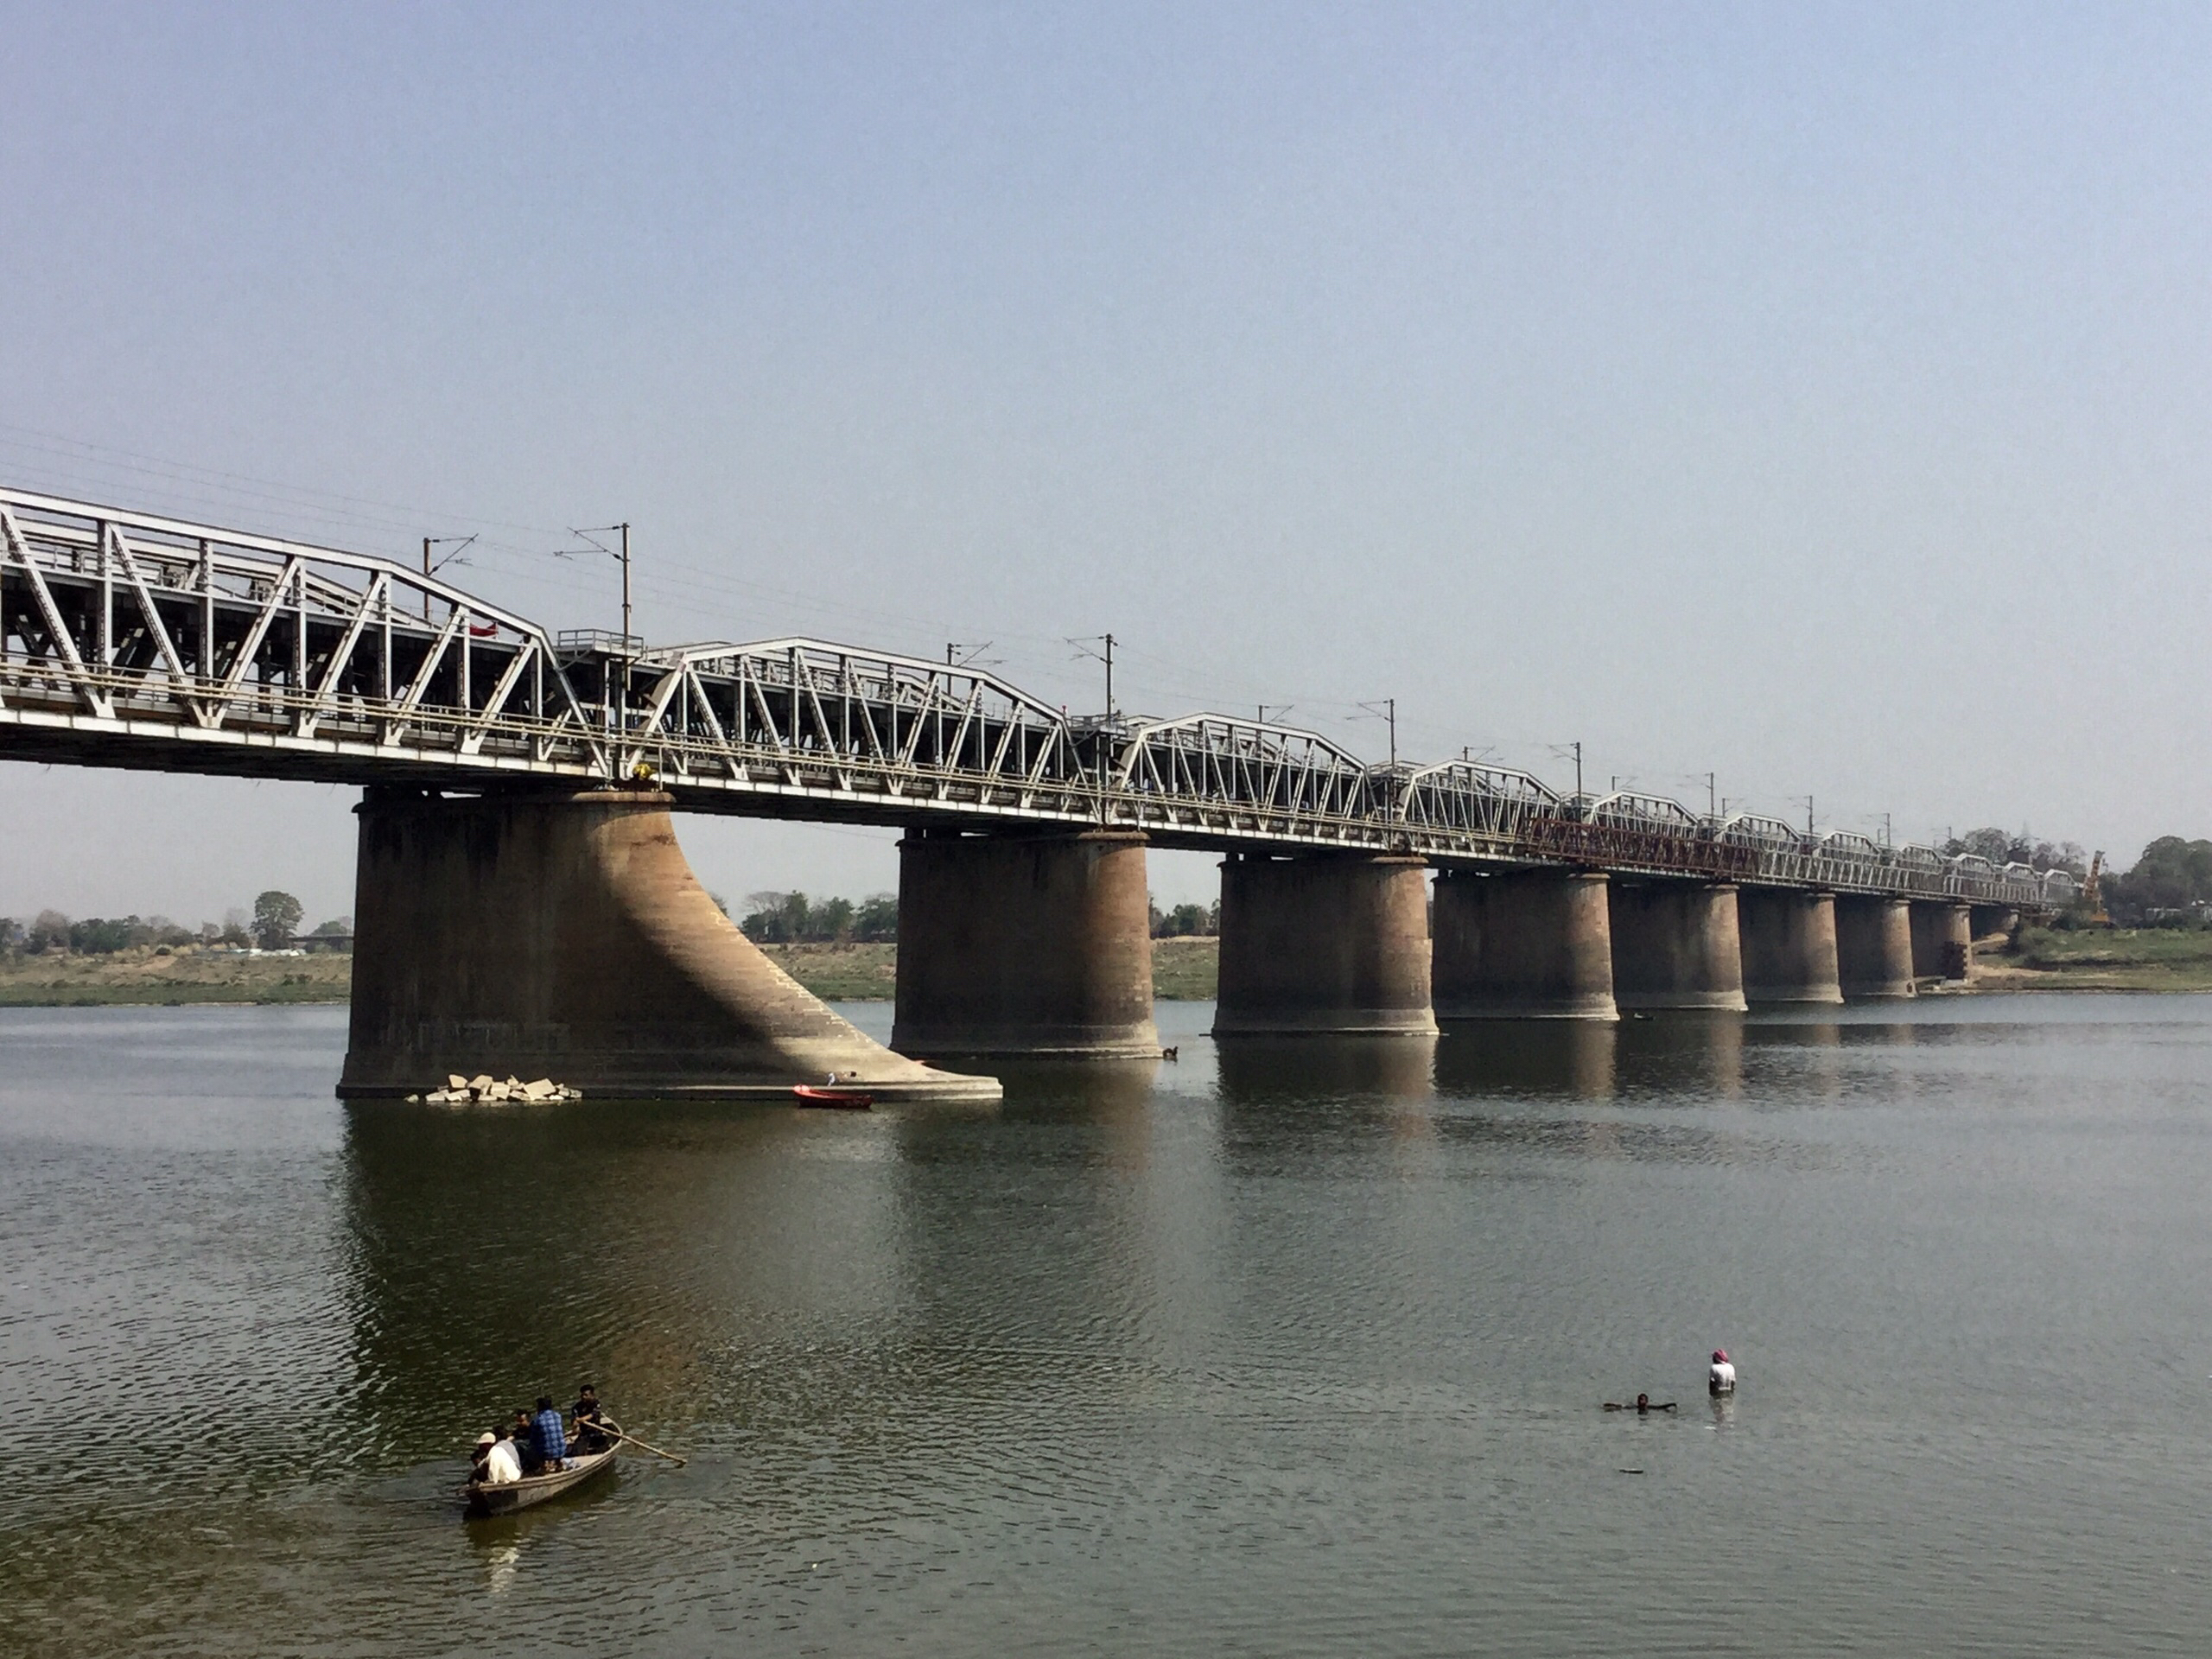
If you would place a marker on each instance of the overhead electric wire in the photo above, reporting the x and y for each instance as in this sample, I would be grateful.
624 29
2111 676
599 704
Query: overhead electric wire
66 464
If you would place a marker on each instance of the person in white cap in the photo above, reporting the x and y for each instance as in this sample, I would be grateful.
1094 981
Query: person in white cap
506 1462
1721 1379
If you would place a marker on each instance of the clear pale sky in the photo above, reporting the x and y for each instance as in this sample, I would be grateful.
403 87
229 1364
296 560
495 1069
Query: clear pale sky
1820 395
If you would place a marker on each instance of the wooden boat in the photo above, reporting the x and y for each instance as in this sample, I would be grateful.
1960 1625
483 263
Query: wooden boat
505 1496
838 1100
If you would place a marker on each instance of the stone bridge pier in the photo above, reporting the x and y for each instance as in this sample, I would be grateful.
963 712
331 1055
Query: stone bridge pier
1789 946
1942 939
1329 942
563 936
1676 944
1036 945
1988 919
1873 942
1529 944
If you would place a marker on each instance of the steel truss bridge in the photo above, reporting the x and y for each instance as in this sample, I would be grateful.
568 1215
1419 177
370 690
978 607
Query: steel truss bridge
128 640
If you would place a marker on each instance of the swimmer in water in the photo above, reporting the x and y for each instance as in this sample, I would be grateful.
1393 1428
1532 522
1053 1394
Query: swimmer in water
1642 1407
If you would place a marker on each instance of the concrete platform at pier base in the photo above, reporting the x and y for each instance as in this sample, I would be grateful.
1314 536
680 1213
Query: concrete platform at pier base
563 936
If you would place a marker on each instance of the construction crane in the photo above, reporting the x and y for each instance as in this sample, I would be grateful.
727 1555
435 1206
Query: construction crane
2092 901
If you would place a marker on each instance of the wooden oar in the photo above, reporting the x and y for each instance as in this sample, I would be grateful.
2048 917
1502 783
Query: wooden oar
605 1427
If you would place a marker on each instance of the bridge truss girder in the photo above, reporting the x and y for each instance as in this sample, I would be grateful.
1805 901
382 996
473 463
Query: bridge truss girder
133 640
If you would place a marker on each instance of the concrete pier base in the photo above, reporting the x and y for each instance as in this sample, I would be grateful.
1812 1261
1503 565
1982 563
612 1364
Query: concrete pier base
1873 947
563 936
1675 945
1024 945
1525 945
1942 939
1789 946
1336 942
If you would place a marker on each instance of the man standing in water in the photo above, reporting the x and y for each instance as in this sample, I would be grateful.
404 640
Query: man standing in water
1721 1379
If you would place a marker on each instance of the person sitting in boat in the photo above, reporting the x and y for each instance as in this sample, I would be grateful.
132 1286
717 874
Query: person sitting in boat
524 1432
481 1455
503 1463
1721 1379
588 1436
545 1432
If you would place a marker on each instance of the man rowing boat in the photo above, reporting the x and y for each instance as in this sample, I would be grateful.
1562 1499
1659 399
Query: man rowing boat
589 1433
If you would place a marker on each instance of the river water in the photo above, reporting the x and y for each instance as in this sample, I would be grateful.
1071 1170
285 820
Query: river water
1285 1348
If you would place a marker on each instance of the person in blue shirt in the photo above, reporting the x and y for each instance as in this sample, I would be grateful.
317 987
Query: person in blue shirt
551 1445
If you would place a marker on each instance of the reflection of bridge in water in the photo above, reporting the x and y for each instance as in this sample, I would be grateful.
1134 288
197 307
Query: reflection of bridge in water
522 905
707 1251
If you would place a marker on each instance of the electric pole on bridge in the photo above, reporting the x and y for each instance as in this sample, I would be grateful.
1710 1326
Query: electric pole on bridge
1563 750
619 704
1084 646
454 557
1387 711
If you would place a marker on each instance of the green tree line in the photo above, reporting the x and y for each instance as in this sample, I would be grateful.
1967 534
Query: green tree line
2002 847
793 918
273 925
2171 884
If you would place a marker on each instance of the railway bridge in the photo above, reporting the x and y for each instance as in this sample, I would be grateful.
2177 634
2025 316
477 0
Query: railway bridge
521 904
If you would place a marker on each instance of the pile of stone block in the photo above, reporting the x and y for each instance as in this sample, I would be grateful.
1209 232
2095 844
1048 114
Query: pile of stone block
487 1090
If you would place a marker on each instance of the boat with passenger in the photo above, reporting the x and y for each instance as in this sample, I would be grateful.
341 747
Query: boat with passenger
487 1497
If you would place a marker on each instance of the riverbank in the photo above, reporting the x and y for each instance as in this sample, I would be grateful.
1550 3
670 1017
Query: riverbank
144 978
1182 970
2117 959
2098 959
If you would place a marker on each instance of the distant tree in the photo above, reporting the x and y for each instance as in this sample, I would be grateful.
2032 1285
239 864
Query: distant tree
1184 922
276 919
774 918
98 936
49 931
1994 845
11 936
2172 874
2002 847
876 921
792 919
335 925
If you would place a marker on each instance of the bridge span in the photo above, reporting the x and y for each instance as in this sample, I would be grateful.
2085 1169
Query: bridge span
133 640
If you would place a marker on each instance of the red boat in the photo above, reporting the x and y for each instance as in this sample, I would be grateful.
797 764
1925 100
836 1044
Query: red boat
836 1100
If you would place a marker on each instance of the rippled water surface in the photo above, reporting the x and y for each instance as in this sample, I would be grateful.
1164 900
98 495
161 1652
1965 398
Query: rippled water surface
1279 1350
